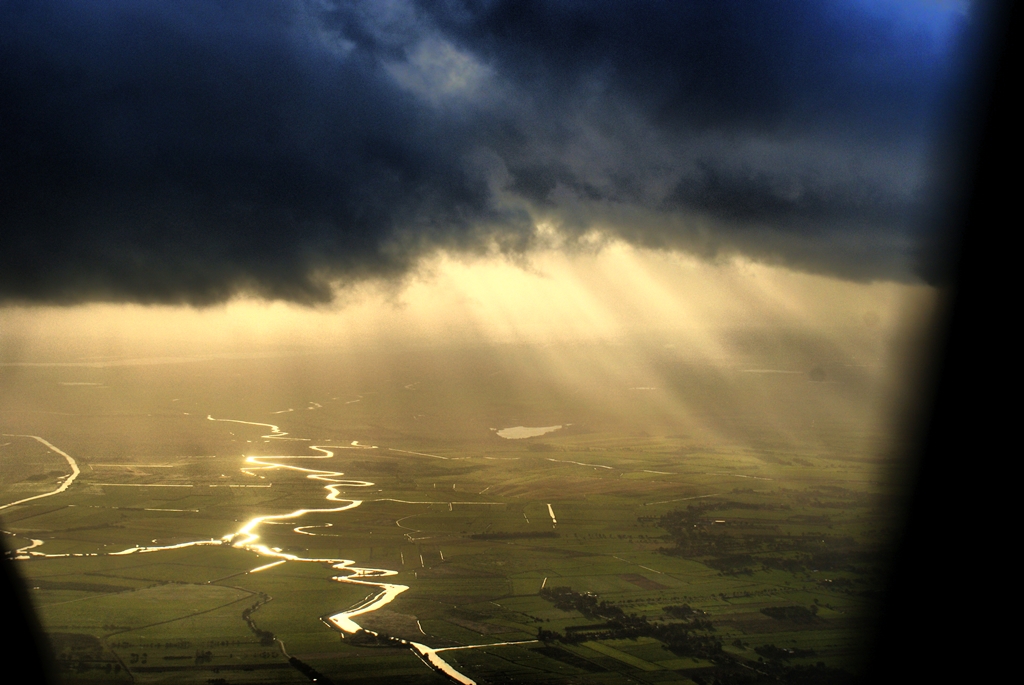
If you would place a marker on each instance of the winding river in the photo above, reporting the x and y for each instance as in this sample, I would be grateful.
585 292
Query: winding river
62 487
247 537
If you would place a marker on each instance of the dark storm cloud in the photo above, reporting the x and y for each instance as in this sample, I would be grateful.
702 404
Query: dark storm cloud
185 152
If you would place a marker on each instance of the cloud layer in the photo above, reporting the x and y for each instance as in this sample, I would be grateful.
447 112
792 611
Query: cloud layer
187 152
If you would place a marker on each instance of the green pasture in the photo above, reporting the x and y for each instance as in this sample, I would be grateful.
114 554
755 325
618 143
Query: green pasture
464 523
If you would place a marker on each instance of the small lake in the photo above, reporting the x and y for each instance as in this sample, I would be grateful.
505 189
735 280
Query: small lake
519 432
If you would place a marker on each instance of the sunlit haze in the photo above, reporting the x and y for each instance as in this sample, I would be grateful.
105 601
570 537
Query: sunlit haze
610 321
608 294
468 342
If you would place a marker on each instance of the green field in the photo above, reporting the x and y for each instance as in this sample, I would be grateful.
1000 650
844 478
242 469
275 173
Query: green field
668 495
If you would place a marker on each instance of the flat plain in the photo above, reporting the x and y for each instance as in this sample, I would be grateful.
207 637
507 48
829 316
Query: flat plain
686 522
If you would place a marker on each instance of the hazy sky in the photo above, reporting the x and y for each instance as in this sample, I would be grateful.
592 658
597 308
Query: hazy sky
189 152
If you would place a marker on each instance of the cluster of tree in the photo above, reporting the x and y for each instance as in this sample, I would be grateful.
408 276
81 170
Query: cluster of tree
586 602
691 531
82 665
76 586
836 582
365 638
734 552
180 644
782 564
693 617
203 657
735 564
688 637
310 672
265 637
771 652
797 614
839 559
682 611
74 642
829 497
80 652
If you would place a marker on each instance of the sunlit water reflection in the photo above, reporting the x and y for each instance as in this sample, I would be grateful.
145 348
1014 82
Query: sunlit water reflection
247 537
